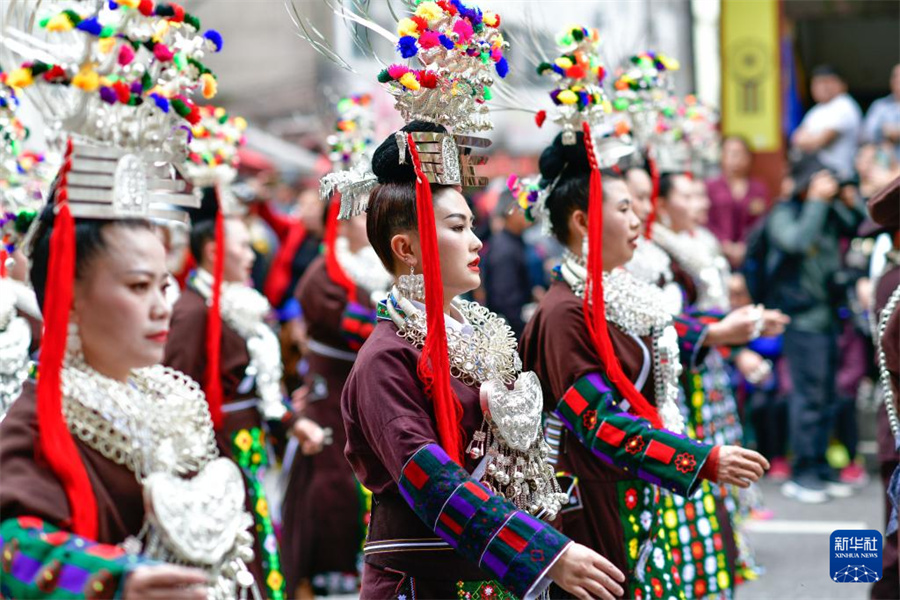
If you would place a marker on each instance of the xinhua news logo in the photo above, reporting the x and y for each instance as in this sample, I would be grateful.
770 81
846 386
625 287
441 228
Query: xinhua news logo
856 555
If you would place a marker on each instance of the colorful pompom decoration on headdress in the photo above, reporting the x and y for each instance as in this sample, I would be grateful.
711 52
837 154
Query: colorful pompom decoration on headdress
146 38
24 175
529 197
457 49
642 89
579 95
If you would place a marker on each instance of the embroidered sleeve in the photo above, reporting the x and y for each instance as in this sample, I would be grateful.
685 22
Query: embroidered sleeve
591 410
357 324
691 335
698 318
41 561
513 547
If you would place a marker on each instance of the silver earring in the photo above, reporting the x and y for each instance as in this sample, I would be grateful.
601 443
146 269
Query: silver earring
73 341
412 286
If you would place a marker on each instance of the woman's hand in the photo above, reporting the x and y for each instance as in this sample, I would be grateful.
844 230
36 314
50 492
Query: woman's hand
745 324
310 436
735 329
753 367
740 466
585 574
299 399
774 321
165 582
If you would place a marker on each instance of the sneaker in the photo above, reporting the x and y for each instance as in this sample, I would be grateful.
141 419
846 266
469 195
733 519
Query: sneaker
809 490
779 470
854 475
834 487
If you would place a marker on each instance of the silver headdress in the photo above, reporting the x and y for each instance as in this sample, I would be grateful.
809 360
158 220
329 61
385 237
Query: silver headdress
642 89
454 51
12 131
113 82
579 97
212 159
350 151
700 123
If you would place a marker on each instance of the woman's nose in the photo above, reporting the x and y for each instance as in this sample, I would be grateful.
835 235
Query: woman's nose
161 308
477 243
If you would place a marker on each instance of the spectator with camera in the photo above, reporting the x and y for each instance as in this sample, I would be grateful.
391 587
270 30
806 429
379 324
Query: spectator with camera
803 263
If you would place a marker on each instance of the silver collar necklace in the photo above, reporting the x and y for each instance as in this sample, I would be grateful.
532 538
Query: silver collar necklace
638 309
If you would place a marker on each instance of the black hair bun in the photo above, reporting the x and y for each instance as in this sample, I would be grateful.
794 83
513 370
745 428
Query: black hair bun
209 206
558 157
386 160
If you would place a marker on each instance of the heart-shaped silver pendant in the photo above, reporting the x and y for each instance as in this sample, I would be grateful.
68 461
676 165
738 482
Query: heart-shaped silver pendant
515 413
200 519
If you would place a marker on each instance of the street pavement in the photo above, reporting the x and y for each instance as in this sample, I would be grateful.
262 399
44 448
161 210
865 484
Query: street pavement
793 546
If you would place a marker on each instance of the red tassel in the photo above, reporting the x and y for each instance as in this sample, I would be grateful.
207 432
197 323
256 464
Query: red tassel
213 387
279 277
594 306
335 271
434 364
3 257
55 441
654 198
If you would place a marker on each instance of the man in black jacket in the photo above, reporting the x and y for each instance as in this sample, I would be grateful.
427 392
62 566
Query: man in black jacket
806 230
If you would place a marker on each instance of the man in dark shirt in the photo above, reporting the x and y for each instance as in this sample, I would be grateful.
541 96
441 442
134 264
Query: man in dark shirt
507 281
806 230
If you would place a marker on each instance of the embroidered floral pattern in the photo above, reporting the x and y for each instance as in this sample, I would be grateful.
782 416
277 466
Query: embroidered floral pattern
635 444
248 448
631 498
685 462
590 419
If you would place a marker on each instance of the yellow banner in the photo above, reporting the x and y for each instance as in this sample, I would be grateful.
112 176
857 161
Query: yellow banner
751 75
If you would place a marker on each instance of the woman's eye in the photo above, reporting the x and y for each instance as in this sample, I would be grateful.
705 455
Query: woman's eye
459 228
142 286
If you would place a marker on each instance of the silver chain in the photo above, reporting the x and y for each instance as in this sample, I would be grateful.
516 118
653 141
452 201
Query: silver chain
885 375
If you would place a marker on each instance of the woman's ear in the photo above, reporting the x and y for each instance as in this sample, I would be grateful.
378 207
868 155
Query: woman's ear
209 252
78 301
404 249
662 211
578 222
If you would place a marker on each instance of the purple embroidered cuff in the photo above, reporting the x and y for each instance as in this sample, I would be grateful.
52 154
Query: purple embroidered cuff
41 561
506 543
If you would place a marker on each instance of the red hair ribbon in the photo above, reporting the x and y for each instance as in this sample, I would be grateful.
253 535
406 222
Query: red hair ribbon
335 271
213 387
55 442
654 197
434 364
594 306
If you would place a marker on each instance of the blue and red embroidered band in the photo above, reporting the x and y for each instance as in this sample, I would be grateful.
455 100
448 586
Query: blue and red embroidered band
508 544
41 561
357 324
